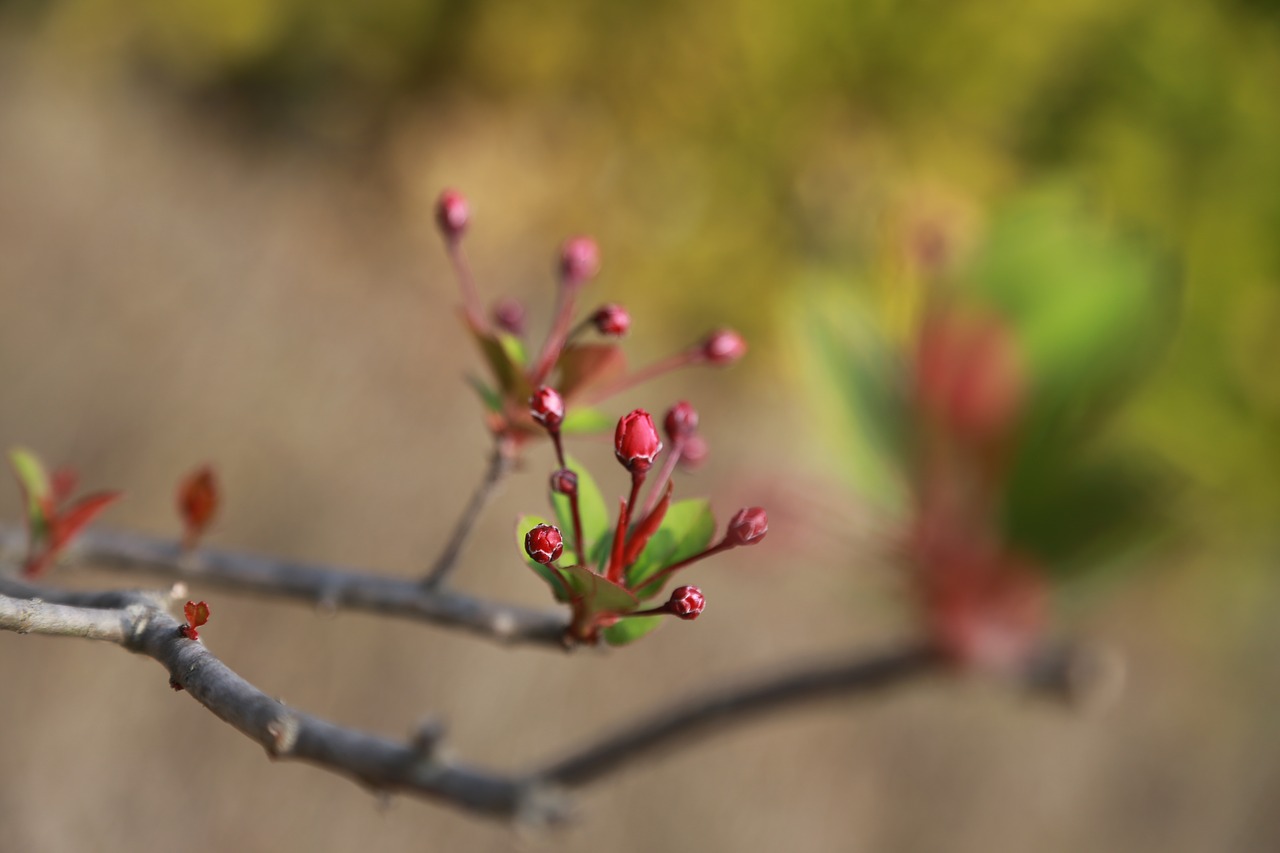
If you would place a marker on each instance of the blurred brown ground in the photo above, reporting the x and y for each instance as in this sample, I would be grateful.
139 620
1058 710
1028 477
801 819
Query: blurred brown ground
170 296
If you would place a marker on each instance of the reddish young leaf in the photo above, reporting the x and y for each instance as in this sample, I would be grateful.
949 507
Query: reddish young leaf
63 484
645 529
587 364
197 613
68 522
198 501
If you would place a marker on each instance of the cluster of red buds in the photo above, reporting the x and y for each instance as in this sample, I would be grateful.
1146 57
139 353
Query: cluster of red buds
608 570
580 370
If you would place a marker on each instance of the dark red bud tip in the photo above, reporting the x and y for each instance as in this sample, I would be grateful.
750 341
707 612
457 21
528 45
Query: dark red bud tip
453 214
547 407
543 543
579 260
687 602
636 441
612 320
724 346
681 421
508 315
564 482
748 526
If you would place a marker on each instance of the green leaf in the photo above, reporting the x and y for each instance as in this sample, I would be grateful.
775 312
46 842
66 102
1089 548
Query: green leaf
513 347
492 399
548 574
686 531
506 372
858 379
35 486
629 630
600 594
581 419
591 506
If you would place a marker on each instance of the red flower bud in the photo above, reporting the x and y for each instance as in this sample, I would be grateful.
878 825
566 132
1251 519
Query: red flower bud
687 602
508 315
636 441
681 421
612 320
694 453
724 346
543 543
547 407
564 482
579 260
452 214
748 526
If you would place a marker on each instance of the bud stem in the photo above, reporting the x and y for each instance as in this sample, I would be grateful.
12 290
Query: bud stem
466 283
644 374
660 484
722 545
616 566
558 335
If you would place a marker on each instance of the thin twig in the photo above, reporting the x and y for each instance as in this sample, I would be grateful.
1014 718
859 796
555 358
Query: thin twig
499 464
331 587
713 712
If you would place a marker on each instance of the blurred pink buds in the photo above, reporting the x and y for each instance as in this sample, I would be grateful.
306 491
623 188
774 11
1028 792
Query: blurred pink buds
579 260
612 320
453 214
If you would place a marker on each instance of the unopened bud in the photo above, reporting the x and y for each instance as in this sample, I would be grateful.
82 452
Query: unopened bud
680 422
686 602
453 214
547 407
564 482
612 320
543 543
724 346
579 260
508 315
748 526
636 441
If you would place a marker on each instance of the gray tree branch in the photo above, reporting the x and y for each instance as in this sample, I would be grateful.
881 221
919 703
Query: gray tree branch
325 586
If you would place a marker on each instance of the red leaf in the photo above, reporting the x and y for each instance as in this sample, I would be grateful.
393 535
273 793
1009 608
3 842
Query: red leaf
66 524
198 500
197 613
645 529
63 484
587 364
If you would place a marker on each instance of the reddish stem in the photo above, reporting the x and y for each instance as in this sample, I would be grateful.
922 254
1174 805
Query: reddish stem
660 485
462 271
723 545
557 336
644 374
616 566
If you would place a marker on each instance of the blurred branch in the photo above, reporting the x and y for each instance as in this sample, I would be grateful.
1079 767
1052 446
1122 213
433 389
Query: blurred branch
500 464
325 586
863 674
138 621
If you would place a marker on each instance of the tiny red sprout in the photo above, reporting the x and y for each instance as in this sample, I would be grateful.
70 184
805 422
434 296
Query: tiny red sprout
636 442
612 320
748 526
547 407
695 452
508 315
724 346
543 543
198 501
564 482
197 613
579 260
680 422
686 602
453 214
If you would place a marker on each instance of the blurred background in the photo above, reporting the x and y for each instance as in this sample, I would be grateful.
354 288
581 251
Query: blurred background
216 245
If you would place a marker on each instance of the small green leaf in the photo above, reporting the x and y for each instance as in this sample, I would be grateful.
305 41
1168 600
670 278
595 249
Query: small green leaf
492 399
548 574
686 531
513 347
580 419
35 486
595 518
631 629
600 594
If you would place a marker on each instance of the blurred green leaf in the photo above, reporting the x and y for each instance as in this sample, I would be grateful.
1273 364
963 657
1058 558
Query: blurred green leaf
36 487
631 629
582 419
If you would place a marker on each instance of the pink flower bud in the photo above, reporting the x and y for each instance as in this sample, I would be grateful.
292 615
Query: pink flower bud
508 315
612 320
680 422
695 452
636 441
579 260
687 602
748 526
547 407
543 543
453 214
724 346
564 482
